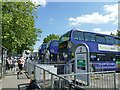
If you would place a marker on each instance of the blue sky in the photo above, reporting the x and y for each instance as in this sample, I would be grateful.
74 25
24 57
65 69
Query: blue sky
60 17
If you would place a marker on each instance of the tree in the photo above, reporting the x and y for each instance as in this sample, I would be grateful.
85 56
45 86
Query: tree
118 33
50 37
112 34
18 31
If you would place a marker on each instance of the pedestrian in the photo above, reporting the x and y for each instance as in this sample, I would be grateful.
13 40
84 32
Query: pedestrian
8 64
47 56
14 61
11 63
21 62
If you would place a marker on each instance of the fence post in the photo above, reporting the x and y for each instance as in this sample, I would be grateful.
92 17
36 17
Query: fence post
52 79
34 71
70 86
30 69
114 81
59 83
44 79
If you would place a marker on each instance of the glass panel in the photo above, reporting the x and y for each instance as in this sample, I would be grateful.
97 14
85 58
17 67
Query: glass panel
117 41
105 57
93 57
89 37
109 40
55 43
100 39
65 37
78 35
44 46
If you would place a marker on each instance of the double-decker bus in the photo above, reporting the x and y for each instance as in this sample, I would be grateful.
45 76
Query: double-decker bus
52 47
41 52
104 50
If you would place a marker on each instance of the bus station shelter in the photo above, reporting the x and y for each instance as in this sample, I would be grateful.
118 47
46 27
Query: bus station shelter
3 57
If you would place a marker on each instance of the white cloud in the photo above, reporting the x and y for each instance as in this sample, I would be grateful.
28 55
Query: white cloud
51 19
98 30
39 2
94 18
112 11
97 18
111 8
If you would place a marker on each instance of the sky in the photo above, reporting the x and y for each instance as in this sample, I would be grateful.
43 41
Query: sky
60 17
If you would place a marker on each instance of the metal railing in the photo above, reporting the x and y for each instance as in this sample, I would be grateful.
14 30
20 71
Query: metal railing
29 67
97 80
48 79
51 81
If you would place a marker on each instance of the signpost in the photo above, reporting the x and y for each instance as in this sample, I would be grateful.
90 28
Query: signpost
82 63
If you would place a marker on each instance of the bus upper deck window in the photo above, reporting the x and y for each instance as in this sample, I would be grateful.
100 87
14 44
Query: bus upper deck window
89 37
55 43
78 35
117 41
100 39
109 40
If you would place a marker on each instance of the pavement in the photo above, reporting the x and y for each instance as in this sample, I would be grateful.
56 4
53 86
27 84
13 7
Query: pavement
11 82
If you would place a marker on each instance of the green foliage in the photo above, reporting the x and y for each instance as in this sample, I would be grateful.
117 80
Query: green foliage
18 31
50 37
112 34
118 33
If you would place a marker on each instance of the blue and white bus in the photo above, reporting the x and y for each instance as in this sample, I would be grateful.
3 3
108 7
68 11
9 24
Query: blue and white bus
104 50
52 46
41 52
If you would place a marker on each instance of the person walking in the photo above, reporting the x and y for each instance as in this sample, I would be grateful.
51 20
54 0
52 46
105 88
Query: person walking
8 64
14 61
11 63
47 56
21 62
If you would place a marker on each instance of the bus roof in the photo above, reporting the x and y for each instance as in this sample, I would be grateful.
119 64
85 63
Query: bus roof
94 33
95 46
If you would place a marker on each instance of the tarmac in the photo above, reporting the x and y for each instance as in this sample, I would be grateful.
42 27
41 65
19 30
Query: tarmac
11 82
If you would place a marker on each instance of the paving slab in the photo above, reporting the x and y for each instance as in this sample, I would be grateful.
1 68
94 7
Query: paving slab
11 82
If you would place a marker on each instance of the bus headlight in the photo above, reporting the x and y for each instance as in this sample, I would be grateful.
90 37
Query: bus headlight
51 55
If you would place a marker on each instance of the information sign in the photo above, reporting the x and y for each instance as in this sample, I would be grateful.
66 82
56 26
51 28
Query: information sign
82 63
